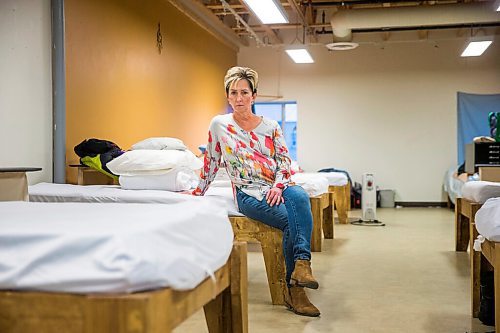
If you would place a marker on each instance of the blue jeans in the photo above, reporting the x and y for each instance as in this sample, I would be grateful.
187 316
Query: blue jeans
294 218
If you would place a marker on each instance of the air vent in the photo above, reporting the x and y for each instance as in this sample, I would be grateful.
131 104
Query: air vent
342 46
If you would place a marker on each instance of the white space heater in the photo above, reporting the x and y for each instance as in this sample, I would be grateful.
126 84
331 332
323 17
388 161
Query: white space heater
368 198
368 202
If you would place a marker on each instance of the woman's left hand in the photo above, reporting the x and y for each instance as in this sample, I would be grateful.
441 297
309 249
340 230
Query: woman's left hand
274 196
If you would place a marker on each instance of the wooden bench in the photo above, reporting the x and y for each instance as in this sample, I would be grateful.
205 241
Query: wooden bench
465 210
322 212
340 197
155 311
271 241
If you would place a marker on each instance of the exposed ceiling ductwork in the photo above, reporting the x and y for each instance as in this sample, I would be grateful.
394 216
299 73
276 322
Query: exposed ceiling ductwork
344 22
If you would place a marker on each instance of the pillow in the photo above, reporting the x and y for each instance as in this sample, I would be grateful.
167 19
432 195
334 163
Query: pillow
160 144
153 162
480 191
175 180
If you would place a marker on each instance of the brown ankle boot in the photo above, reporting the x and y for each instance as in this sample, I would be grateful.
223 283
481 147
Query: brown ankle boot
296 300
302 275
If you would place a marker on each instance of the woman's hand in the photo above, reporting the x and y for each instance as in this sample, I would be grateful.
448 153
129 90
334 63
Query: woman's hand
274 196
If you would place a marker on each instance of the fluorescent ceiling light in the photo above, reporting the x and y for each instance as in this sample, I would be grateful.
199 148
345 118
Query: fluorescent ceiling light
268 11
476 48
300 56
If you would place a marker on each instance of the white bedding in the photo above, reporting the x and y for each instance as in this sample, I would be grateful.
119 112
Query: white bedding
111 248
225 194
49 192
452 185
480 191
313 183
488 219
335 178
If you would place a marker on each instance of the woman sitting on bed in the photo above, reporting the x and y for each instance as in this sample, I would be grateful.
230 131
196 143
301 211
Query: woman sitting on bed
258 164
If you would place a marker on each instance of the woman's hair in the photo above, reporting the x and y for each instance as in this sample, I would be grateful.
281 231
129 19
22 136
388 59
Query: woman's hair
241 73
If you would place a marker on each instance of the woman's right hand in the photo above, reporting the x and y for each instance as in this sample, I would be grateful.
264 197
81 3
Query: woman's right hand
274 196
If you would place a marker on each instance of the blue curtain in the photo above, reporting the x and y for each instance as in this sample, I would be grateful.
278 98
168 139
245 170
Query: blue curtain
473 110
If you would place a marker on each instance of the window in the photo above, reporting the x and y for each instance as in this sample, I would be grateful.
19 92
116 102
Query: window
285 113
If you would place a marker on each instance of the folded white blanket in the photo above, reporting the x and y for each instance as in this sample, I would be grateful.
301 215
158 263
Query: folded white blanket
313 183
488 219
480 191
176 180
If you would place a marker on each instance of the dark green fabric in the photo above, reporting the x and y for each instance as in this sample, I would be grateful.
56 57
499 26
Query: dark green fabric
494 121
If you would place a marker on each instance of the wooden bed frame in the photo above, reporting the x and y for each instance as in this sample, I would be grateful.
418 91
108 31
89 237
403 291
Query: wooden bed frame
322 212
487 259
271 241
340 197
465 210
224 302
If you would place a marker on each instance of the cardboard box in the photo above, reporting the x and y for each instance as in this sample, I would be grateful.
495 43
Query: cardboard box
489 173
13 186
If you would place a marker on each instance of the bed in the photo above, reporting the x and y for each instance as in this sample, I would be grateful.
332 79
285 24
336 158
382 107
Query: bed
340 194
77 267
50 192
486 230
244 228
474 193
220 190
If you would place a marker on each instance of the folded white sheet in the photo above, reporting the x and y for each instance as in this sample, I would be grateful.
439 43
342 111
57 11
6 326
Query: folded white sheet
313 183
480 191
111 248
488 219
335 178
176 180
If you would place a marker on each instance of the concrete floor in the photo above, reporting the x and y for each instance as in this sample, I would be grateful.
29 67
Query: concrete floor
404 277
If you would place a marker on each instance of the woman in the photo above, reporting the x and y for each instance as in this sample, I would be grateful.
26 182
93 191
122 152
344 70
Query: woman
257 161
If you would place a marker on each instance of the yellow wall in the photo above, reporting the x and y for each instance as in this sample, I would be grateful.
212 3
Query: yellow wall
120 88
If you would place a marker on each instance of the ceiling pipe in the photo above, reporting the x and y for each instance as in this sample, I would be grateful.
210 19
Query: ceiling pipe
344 22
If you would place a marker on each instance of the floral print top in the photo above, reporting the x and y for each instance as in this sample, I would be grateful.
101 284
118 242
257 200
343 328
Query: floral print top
256 161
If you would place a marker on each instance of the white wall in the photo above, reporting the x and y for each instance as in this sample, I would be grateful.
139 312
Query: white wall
389 109
26 86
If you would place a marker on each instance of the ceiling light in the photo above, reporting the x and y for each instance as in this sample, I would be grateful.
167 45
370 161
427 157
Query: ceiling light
268 11
476 48
300 56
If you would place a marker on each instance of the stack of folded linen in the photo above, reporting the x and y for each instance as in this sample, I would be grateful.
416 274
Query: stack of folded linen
157 164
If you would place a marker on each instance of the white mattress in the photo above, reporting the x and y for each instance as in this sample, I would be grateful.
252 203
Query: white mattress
488 219
335 178
224 194
111 248
313 183
480 191
49 192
